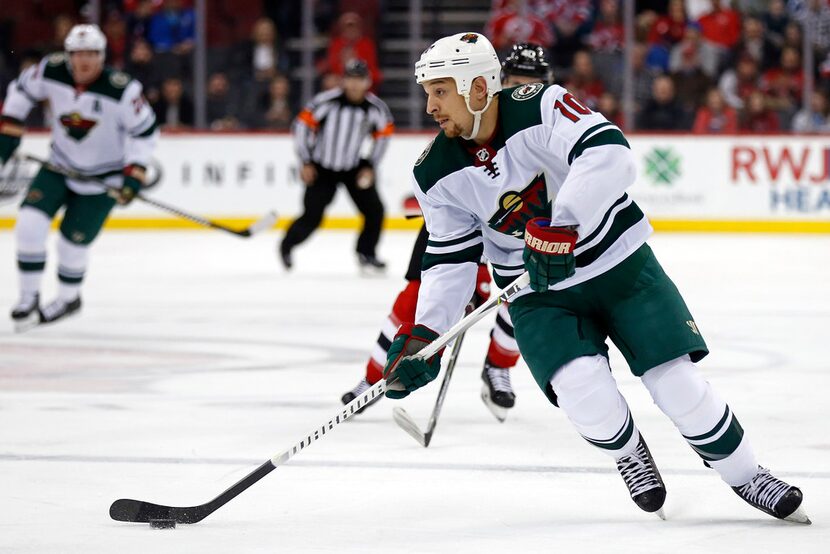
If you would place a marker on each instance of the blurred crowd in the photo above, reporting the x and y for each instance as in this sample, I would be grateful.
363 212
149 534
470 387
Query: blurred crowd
706 66
249 83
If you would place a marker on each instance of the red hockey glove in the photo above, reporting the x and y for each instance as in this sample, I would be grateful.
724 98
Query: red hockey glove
549 253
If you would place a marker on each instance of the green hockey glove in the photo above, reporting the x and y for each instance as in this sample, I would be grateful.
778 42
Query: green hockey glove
411 373
549 253
10 132
133 179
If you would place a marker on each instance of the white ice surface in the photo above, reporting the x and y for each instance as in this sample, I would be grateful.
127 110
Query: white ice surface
196 358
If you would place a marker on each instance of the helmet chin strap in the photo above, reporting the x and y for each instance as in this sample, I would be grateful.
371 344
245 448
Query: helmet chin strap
476 115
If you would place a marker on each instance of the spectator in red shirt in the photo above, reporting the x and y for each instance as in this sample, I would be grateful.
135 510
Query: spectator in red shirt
669 29
756 117
716 117
607 34
514 23
721 26
351 43
583 82
784 84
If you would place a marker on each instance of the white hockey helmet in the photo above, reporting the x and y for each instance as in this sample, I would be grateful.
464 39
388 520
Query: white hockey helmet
462 57
85 37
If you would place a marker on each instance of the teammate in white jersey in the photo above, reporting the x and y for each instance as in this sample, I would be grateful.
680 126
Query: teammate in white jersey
536 182
101 127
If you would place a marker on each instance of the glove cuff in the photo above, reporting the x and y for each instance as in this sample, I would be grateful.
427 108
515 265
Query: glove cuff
134 175
544 239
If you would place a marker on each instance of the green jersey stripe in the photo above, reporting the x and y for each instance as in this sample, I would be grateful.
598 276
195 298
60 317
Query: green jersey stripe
471 254
714 431
465 238
584 136
620 438
622 199
606 136
625 219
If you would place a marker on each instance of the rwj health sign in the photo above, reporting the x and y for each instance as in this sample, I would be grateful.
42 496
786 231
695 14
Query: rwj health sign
738 178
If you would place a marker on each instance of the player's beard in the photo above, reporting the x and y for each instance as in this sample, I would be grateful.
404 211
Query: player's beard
452 130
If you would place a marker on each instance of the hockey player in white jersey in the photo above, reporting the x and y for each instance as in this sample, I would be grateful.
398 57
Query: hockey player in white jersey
536 182
526 63
101 127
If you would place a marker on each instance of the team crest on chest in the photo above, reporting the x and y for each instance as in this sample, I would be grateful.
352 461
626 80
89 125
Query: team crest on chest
515 209
424 154
76 125
527 91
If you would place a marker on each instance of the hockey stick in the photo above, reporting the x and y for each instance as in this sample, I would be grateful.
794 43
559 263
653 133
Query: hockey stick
405 421
142 512
264 223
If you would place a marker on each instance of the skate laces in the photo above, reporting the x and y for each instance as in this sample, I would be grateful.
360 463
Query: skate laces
499 379
54 309
26 303
764 489
637 471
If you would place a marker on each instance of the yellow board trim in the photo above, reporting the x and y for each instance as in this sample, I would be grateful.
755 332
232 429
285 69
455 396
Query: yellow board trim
400 223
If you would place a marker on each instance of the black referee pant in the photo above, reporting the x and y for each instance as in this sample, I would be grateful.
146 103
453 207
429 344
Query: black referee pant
320 194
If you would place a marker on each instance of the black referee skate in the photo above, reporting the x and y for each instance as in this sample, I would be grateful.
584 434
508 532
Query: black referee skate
370 265
361 387
640 474
497 392
773 496
25 314
59 309
285 257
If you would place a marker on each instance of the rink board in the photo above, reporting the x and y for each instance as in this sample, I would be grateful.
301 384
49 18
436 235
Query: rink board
685 183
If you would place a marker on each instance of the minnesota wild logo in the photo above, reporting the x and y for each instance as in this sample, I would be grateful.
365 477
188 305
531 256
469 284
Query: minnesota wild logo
472 38
517 208
76 125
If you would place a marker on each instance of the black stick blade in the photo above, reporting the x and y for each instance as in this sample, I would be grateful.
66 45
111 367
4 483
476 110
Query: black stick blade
136 511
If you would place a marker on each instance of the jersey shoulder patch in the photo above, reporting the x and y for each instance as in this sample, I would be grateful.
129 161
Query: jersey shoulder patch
56 69
111 84
521 107
441 157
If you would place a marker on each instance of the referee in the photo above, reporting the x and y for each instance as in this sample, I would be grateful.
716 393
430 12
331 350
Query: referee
329 134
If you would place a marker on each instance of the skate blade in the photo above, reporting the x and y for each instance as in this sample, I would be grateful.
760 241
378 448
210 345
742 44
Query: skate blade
498 411
371 272
661 514
799 516
29 322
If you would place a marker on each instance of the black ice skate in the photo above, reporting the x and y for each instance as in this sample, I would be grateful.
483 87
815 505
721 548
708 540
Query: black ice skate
361 387
773 496
26 314
496 392
59 309
643 480
285 257
370 265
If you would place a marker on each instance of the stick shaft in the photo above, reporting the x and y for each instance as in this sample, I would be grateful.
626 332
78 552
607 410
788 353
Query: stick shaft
160 205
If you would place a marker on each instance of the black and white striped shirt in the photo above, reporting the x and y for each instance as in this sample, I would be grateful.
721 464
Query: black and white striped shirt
331 131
